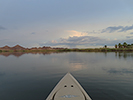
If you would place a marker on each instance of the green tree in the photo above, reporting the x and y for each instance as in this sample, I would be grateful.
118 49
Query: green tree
116 46
105 46
125 45
128 46
131 45
120 46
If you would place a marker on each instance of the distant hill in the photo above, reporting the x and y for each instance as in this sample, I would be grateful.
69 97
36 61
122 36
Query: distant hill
17 47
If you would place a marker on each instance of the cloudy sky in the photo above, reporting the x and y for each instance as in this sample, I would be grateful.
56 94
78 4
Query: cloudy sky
66 23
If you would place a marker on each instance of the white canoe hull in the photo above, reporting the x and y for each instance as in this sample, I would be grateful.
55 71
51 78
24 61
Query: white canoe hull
68 89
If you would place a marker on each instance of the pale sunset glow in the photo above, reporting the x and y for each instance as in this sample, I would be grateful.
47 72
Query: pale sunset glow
76 33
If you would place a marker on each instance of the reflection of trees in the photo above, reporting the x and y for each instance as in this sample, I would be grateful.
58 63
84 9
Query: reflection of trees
105 54
116 54
124 54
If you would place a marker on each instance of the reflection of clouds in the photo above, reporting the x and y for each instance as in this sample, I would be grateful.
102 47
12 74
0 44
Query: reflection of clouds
77 66
2 73
54 59
77 61
120 71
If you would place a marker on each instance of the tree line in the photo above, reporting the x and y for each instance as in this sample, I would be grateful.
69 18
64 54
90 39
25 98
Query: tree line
124 45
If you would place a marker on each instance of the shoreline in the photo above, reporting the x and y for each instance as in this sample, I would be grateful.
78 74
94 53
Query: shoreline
72 50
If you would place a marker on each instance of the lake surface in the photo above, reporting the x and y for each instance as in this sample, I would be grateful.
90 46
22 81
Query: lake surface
104 76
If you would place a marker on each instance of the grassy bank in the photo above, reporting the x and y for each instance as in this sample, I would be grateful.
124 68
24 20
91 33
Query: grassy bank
74 50
97 50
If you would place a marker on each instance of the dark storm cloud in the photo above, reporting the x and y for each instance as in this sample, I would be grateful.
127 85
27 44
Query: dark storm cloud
117 28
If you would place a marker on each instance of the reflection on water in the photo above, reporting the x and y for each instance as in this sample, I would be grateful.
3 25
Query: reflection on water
104 76
2 73
77 66
121 71
124 54
18 54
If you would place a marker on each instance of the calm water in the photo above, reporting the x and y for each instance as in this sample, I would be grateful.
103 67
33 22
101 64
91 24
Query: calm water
105 76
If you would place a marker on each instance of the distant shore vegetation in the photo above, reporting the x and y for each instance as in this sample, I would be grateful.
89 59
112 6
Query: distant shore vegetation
117 48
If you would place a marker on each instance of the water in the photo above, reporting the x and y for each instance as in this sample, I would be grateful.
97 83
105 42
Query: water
104 76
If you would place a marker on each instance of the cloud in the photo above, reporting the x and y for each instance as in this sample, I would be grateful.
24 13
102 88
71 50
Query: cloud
129 36
76 33
92 32
131 33
76 41
117 28
33 33
85 41
124 29
111 29
2 28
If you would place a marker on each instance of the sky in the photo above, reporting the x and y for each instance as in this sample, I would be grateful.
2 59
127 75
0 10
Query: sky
66 23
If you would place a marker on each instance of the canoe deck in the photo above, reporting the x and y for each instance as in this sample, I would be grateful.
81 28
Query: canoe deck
68 89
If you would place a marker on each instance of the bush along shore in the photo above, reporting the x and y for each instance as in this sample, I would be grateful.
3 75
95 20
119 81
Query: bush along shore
75 50
117 48
97 50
